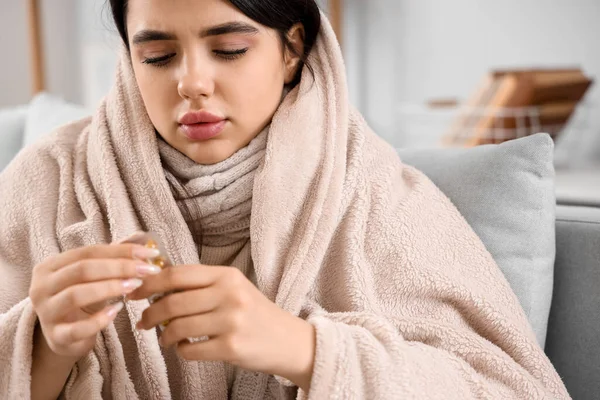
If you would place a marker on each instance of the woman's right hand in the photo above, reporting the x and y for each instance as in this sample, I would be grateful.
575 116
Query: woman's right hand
64 286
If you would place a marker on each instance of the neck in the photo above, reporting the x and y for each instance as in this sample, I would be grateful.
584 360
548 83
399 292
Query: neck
215 200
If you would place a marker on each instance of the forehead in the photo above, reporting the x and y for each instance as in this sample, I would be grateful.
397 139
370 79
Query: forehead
177 15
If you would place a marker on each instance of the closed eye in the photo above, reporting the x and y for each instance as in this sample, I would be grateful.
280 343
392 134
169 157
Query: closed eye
228 55
231 54
159 61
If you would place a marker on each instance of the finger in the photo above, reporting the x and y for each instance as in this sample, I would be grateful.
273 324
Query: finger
180 304
209 324
127 250
98 269
179 278
85 294
68 333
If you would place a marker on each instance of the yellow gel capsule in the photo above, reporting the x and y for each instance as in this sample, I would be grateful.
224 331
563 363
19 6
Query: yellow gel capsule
159 262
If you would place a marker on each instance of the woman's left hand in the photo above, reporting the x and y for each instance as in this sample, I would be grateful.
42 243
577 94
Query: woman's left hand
243 327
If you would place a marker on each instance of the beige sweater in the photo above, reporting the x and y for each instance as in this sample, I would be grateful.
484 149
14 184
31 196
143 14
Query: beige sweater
405 299
219 198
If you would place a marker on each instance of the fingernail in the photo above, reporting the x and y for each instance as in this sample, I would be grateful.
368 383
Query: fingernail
131 284
144 253
114 310
147 269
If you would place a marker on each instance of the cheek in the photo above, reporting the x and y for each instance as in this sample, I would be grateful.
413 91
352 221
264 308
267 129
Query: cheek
258 88
159 93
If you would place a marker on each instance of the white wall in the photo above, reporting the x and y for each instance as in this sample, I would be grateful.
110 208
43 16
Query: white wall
100 45
14 78
443 48
62 43
452 44
371 45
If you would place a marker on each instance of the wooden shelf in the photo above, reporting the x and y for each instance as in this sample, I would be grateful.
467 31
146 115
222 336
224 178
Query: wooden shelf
36 52
336 17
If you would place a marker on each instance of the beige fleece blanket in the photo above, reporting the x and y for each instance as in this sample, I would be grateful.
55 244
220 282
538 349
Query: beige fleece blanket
406 301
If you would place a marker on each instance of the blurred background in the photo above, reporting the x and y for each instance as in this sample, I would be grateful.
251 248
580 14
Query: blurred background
413 65
425 74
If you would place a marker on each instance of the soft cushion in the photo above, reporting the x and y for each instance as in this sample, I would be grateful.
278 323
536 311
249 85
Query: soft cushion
46 113
12 126
573 342
506 193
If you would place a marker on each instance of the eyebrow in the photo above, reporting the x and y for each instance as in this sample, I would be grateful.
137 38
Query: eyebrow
229 27
149 35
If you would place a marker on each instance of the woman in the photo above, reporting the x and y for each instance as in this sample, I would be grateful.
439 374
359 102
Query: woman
335 270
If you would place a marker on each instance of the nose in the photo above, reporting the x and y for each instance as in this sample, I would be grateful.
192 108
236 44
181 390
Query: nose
196 80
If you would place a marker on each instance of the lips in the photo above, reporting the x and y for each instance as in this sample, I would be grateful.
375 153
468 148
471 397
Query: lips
203 131
199 117
201 125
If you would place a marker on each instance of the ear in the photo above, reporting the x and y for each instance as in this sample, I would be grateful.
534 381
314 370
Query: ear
291 58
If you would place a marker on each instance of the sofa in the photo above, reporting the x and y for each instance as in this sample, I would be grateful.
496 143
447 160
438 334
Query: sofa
549 250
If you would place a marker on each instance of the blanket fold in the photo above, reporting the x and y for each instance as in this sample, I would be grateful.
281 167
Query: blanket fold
405 299
16 331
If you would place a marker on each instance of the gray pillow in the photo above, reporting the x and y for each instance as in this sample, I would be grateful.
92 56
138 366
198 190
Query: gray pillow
12 126
506 193
48 112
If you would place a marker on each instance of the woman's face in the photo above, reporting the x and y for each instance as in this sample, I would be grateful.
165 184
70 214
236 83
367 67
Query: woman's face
210 77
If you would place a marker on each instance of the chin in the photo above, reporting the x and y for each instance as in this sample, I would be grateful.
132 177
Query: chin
210 152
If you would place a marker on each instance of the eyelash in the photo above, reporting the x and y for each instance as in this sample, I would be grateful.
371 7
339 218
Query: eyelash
162 61
231 55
